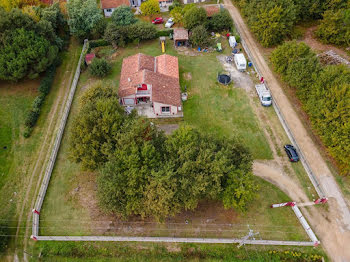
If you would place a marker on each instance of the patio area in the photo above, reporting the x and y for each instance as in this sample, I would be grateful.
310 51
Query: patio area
146 110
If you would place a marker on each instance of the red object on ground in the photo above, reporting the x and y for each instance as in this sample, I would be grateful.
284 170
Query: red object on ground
157 20
89 57
262 80
34 238
228 35
35 211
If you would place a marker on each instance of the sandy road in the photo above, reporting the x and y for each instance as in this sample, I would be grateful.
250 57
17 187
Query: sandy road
334 230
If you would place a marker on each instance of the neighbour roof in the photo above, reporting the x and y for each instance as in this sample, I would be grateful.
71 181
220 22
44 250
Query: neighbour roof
212 9
105 4
162 72
180 34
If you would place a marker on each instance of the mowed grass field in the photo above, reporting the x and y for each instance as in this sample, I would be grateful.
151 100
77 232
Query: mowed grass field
70 206
18 155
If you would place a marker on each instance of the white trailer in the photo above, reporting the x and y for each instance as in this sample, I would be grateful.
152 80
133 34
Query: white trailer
232 41
241 62
264 94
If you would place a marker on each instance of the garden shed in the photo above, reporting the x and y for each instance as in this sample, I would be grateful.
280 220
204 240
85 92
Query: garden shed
180 37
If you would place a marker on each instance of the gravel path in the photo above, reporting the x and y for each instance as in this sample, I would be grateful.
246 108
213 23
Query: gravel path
334 230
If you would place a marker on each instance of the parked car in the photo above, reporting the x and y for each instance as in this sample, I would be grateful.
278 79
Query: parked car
291 153
169 23
157 20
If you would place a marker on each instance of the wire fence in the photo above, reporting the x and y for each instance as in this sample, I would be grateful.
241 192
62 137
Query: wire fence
50 166
57 143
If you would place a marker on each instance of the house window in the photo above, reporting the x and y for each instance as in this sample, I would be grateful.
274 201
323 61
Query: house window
109 10
165 109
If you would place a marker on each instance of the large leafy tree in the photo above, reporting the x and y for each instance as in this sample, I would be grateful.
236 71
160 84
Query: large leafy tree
335 27
28 47
221 21
83 15
25 53
194 17
96 126
150 7
200 36
123 15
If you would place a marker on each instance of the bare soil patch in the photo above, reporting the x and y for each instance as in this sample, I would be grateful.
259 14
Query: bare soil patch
210 218
318 46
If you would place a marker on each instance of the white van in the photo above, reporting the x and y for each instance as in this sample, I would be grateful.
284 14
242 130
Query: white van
232 41
241 62
264 94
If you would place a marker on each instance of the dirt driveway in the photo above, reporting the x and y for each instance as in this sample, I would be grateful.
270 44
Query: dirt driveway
334 228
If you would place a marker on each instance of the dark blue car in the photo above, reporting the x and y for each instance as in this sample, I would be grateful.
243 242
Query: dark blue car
291 153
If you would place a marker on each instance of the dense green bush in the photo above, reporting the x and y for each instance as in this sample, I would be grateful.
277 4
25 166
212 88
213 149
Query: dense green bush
99 67
96 43
44 88
221 21
119 35
28 47
335 27
195 17
123 15
165 32
200 36
325 95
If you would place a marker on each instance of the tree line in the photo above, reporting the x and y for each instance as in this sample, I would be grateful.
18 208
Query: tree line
273 20
143 172
325 94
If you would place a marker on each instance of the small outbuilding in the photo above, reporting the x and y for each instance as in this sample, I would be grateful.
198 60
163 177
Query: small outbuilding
89 58
180 37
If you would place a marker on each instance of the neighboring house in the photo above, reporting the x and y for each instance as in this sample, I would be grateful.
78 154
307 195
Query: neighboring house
211 10
180 37
165 3
151 85
193 1
108 6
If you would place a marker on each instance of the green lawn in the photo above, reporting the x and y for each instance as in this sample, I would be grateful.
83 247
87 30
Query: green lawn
222 110
17 154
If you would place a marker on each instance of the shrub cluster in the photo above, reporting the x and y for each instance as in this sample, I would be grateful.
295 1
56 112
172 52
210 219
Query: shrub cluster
120 35
324 93
99 67
165 32
44 88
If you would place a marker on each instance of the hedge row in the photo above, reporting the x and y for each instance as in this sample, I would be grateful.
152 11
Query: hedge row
44 88
96 43
165 32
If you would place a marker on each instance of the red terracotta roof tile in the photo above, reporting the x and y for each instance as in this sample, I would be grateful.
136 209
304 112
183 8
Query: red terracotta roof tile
162 72
212 9
105 4
180 34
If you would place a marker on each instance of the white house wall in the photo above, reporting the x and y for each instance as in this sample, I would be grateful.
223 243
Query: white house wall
108 13
158 109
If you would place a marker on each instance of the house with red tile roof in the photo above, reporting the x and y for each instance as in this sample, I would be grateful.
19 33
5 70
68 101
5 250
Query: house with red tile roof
108 6
152 83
